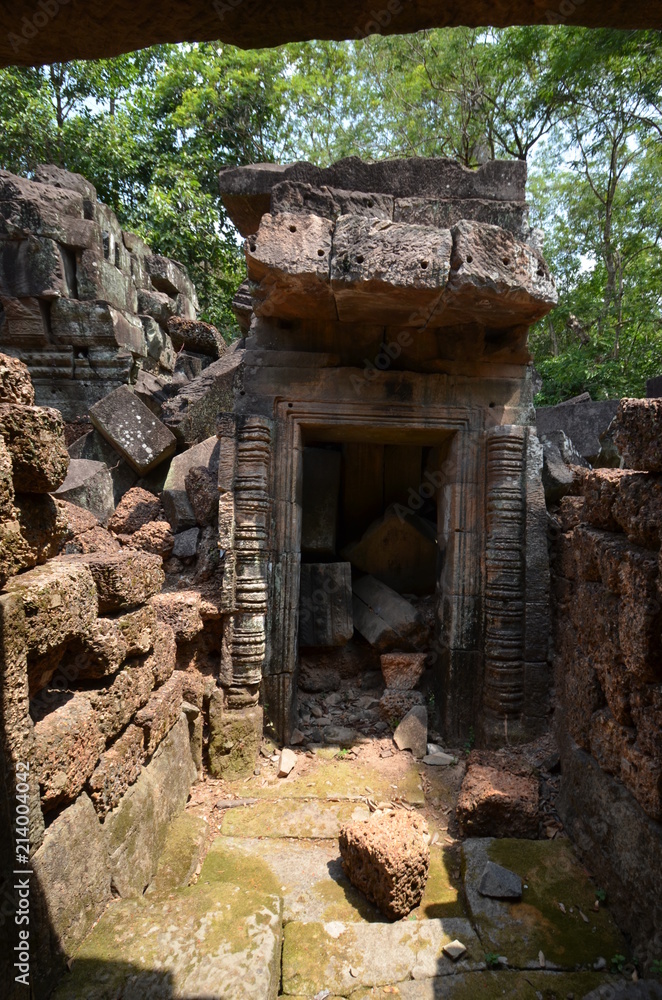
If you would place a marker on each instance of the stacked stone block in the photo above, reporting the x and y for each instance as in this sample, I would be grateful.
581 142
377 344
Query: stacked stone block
85 305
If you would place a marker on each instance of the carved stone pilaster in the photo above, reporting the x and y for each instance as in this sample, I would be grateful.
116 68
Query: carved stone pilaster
244 528
503 691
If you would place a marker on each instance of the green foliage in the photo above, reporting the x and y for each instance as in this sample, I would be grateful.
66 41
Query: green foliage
618 963
492 960
656 967
151 130
470 742
601 896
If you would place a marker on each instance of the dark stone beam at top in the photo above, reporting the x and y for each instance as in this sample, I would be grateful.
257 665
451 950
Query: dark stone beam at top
41 31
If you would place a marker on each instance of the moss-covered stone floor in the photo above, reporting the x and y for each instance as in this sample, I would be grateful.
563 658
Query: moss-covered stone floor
251 903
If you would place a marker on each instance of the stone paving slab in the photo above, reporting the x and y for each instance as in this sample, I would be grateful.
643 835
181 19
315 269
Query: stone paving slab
302 819
342 957
346 780
198 942
552 878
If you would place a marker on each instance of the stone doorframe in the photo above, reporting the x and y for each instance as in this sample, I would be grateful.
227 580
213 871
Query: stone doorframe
460 625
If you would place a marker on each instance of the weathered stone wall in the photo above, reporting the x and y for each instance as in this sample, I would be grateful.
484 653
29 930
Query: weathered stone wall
85 305
91 703
607 599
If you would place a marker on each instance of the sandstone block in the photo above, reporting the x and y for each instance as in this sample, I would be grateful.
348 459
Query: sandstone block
192 414
137 828
95 540
155 537
89 485
175 498
27 207
68 742
234 738
34 267
60 601
24 325
164 653
100 652
398 549
35 438
180 611
387 271
71 867
159 305
139 629
496 803
637 433
136 508
161 712
96 324
95 447
289 257
133 430
402 671
388 859
185 545
128 691
412 732
325 604
169 277
296 197
118 768
15 382
385 618
123 579
99 280
201 338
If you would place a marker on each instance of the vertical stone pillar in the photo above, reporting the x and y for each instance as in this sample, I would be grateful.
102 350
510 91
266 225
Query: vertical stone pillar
244 533
503 691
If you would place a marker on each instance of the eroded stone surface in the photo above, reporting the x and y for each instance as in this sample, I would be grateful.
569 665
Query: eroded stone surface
123 578
34 436
494 802
60 599
133 430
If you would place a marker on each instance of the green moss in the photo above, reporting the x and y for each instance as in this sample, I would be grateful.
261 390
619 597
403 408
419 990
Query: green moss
303 819
180 857
226 862
345 903
442 898
348 780
537 923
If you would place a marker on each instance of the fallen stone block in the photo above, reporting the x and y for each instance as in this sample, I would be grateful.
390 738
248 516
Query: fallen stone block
15 382
136 508
286 762
153 390
499 882
185 545
582 422
325 604
159 305
169 277
402 671
123 579
60 600
137 829
116 704
388 860
98 653
192 414
118 768
412 732
155 537
94 447
89 485
385 618
34 436
637 433
201 338
35 268
400 549
175 499
160 713
558 478
139 629
394 705
68 743
158 345
494 802
133 430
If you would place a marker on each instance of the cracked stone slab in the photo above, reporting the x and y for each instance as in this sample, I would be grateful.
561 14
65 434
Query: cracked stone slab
342 957
303 819
203 941
340 779
574 936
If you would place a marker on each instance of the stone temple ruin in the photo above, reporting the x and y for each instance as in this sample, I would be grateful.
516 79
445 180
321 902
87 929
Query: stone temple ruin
196 539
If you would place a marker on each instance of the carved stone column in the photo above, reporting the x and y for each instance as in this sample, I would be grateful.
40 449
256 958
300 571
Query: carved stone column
503 691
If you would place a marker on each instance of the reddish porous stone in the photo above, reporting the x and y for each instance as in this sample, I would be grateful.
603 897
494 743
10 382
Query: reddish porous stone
34 436
600 489
180 610
640 614
161 712
387 857
497 803
117 769
638 433
139 629
164 654
155 537
638 508
394 704
68 742
136 508
402 671
15 382
123 579
117 703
